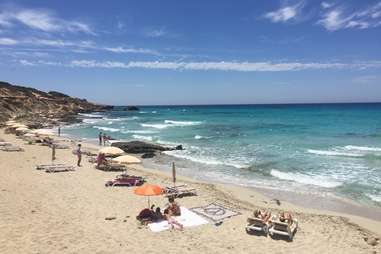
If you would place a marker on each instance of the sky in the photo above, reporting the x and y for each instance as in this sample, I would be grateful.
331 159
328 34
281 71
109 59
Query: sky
140 52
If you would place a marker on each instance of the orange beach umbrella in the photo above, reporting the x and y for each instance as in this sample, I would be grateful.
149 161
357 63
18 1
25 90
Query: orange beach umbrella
148 190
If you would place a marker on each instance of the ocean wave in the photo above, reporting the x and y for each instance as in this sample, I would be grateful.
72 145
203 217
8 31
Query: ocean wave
203 159
138 132
333 153
106 128
182 123
146 138
92 120
376 198
91 115
154 112
305 179
363 148
156 126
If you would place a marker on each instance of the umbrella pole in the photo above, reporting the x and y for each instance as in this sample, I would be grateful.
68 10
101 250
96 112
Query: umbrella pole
148 202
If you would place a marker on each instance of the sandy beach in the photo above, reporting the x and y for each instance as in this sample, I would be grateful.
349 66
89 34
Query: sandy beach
65 213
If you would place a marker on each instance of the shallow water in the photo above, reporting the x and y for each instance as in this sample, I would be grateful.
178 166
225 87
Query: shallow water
331 149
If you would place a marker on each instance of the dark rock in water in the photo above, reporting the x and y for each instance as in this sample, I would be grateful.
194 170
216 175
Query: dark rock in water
179 147
148 155
140 147
132 108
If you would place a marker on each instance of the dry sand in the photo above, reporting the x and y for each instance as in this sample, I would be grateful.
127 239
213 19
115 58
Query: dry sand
65 213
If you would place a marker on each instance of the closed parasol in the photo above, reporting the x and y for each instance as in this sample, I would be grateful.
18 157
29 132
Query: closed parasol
148 190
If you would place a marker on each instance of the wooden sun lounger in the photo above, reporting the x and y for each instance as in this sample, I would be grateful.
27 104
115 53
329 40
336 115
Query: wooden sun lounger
59 169
112 167
43 167
257 225
179 191
283 228
11 148
5 144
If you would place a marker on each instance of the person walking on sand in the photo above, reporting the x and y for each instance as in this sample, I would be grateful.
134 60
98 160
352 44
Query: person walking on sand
100 138
79 155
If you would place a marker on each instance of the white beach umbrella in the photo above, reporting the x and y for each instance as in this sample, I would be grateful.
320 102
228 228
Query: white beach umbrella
22 129
18 125
111 151
127 159
46 132
29 135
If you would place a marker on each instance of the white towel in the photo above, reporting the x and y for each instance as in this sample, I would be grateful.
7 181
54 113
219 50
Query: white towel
187 218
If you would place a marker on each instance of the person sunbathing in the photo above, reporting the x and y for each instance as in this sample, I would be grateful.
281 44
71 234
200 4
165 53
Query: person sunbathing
265 216
146 215
101 159
285 217
174 207
171 221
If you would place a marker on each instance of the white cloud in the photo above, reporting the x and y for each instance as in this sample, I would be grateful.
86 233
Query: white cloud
42 20
284 14
131 50
219 66
326 5
8 41
156 32
336 19
367 79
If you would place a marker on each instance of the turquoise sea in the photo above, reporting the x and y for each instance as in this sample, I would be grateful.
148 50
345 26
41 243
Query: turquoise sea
324 149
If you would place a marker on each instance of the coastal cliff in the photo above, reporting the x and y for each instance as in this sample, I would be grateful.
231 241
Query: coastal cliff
31 104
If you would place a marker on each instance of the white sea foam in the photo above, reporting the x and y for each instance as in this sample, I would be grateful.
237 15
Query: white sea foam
198 137
156 126
138 131
182 123
92 120
95 115
333 153
376 198
363 148
146 138
154 112
203 159
106 128
305 179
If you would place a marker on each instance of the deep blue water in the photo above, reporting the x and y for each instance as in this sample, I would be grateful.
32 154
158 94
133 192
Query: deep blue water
328 149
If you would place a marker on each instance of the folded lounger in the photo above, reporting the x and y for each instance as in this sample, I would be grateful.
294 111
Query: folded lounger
11 148
179 191
283 228
59 169
257 225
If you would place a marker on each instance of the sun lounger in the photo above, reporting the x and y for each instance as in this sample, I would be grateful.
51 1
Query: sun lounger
179 191
256 225
59 169
5 144
11 148
112 167
283 228
125 180
45 166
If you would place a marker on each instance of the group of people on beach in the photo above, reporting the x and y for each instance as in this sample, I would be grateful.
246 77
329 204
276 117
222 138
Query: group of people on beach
103 139
152 214
266 216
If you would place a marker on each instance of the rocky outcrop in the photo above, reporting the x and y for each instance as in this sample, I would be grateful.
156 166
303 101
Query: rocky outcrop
132 108
34 105
141 147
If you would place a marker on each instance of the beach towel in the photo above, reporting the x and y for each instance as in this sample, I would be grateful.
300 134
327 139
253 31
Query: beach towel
215 212
187 218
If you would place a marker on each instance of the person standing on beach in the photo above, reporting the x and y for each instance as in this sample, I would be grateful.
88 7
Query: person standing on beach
104 139
79 155
100 138
59 131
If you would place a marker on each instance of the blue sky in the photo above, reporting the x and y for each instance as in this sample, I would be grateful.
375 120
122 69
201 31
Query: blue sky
195 52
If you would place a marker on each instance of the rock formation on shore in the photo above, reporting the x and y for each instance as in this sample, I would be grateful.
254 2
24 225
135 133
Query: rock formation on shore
31 104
